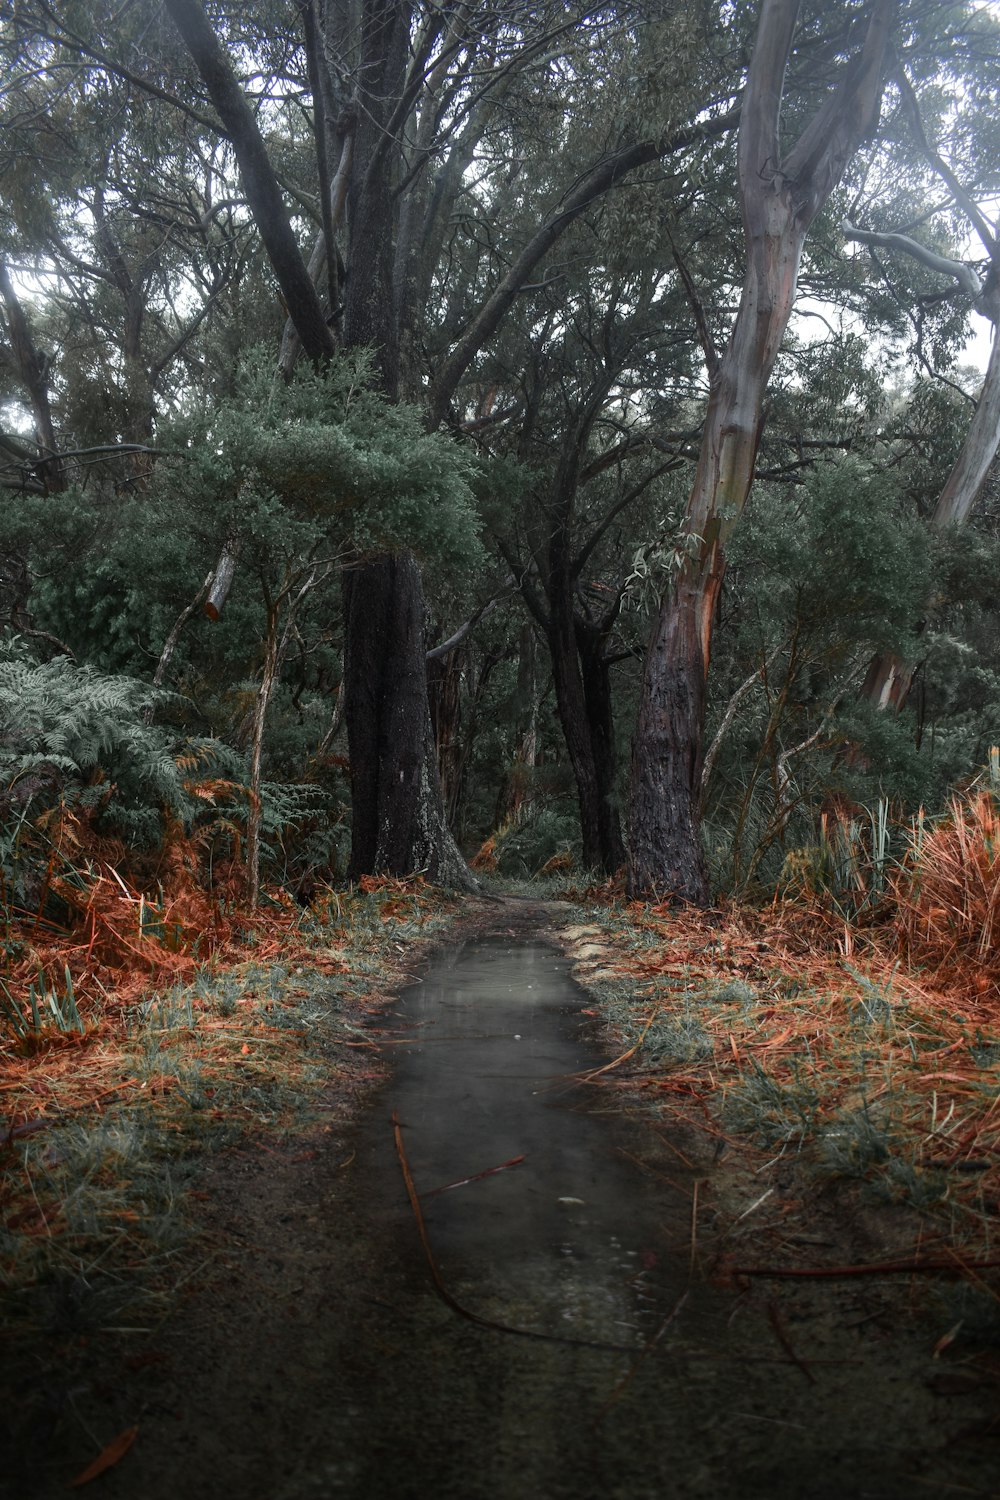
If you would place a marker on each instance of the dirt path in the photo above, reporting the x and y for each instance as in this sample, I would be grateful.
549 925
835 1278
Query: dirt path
313 1356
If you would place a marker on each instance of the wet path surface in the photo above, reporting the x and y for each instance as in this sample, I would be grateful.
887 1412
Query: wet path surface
565 1236
570 1241
315 1359
578 1243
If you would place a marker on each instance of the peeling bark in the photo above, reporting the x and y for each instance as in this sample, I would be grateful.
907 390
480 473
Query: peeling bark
780 198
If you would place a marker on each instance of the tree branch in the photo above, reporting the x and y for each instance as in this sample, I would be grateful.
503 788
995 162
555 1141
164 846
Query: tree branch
967 279
968 205
259 180
455 640
589 188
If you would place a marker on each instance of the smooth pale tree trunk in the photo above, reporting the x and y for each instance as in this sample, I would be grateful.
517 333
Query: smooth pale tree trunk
780 196
889 678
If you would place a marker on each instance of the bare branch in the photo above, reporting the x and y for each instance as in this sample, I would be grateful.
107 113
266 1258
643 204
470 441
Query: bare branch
455 640
594 183
966 278
967 204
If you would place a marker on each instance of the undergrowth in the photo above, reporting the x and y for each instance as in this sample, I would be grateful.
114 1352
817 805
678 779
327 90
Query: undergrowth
103 1127
862 1038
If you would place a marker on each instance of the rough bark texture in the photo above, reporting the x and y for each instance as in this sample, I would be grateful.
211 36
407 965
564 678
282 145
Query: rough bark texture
369 314
596 674
398 823
398 818
444 693
780 199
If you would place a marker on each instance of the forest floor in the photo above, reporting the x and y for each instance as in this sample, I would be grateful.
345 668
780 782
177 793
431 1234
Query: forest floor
202 1299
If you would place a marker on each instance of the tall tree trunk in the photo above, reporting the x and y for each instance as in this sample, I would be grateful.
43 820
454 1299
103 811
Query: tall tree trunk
583 703
596 675
571 706
889 678
780 198
397 809
269 676
398 817
33 369
444 692
398 823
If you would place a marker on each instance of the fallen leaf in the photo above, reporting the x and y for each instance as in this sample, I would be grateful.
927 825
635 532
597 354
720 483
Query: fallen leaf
944 1341
116 1449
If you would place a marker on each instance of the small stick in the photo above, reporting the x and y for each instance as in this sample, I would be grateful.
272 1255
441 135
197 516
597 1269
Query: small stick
647 1348
476 1177
438 1280
694 1225
786 1343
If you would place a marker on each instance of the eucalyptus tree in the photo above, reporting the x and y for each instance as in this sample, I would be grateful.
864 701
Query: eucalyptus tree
593 376
411 98
781 193
958 177
120 230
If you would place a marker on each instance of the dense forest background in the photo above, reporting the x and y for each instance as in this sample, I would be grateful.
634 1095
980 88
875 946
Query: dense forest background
382 385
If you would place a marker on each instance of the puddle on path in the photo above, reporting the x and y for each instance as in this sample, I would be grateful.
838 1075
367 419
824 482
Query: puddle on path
578 1243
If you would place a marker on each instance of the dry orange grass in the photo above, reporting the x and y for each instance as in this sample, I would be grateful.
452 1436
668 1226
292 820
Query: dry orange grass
842 1018
947 894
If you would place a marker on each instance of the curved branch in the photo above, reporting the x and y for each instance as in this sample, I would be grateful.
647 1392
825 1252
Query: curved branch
966 278
590 187
259 180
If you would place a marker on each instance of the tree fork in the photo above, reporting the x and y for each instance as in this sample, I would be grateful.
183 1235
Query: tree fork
780 198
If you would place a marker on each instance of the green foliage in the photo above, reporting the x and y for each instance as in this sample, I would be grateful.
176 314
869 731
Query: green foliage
49 1007
324 462
823 576
79 738
841 563
65 723
545 833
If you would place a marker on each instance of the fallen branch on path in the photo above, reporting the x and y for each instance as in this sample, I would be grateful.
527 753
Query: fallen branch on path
515 1161
445 1294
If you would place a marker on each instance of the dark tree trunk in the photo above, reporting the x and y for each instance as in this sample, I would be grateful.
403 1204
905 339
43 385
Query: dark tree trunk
444 692
571 707
583 703
596 675
398 824
369 310
665 852
257 174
